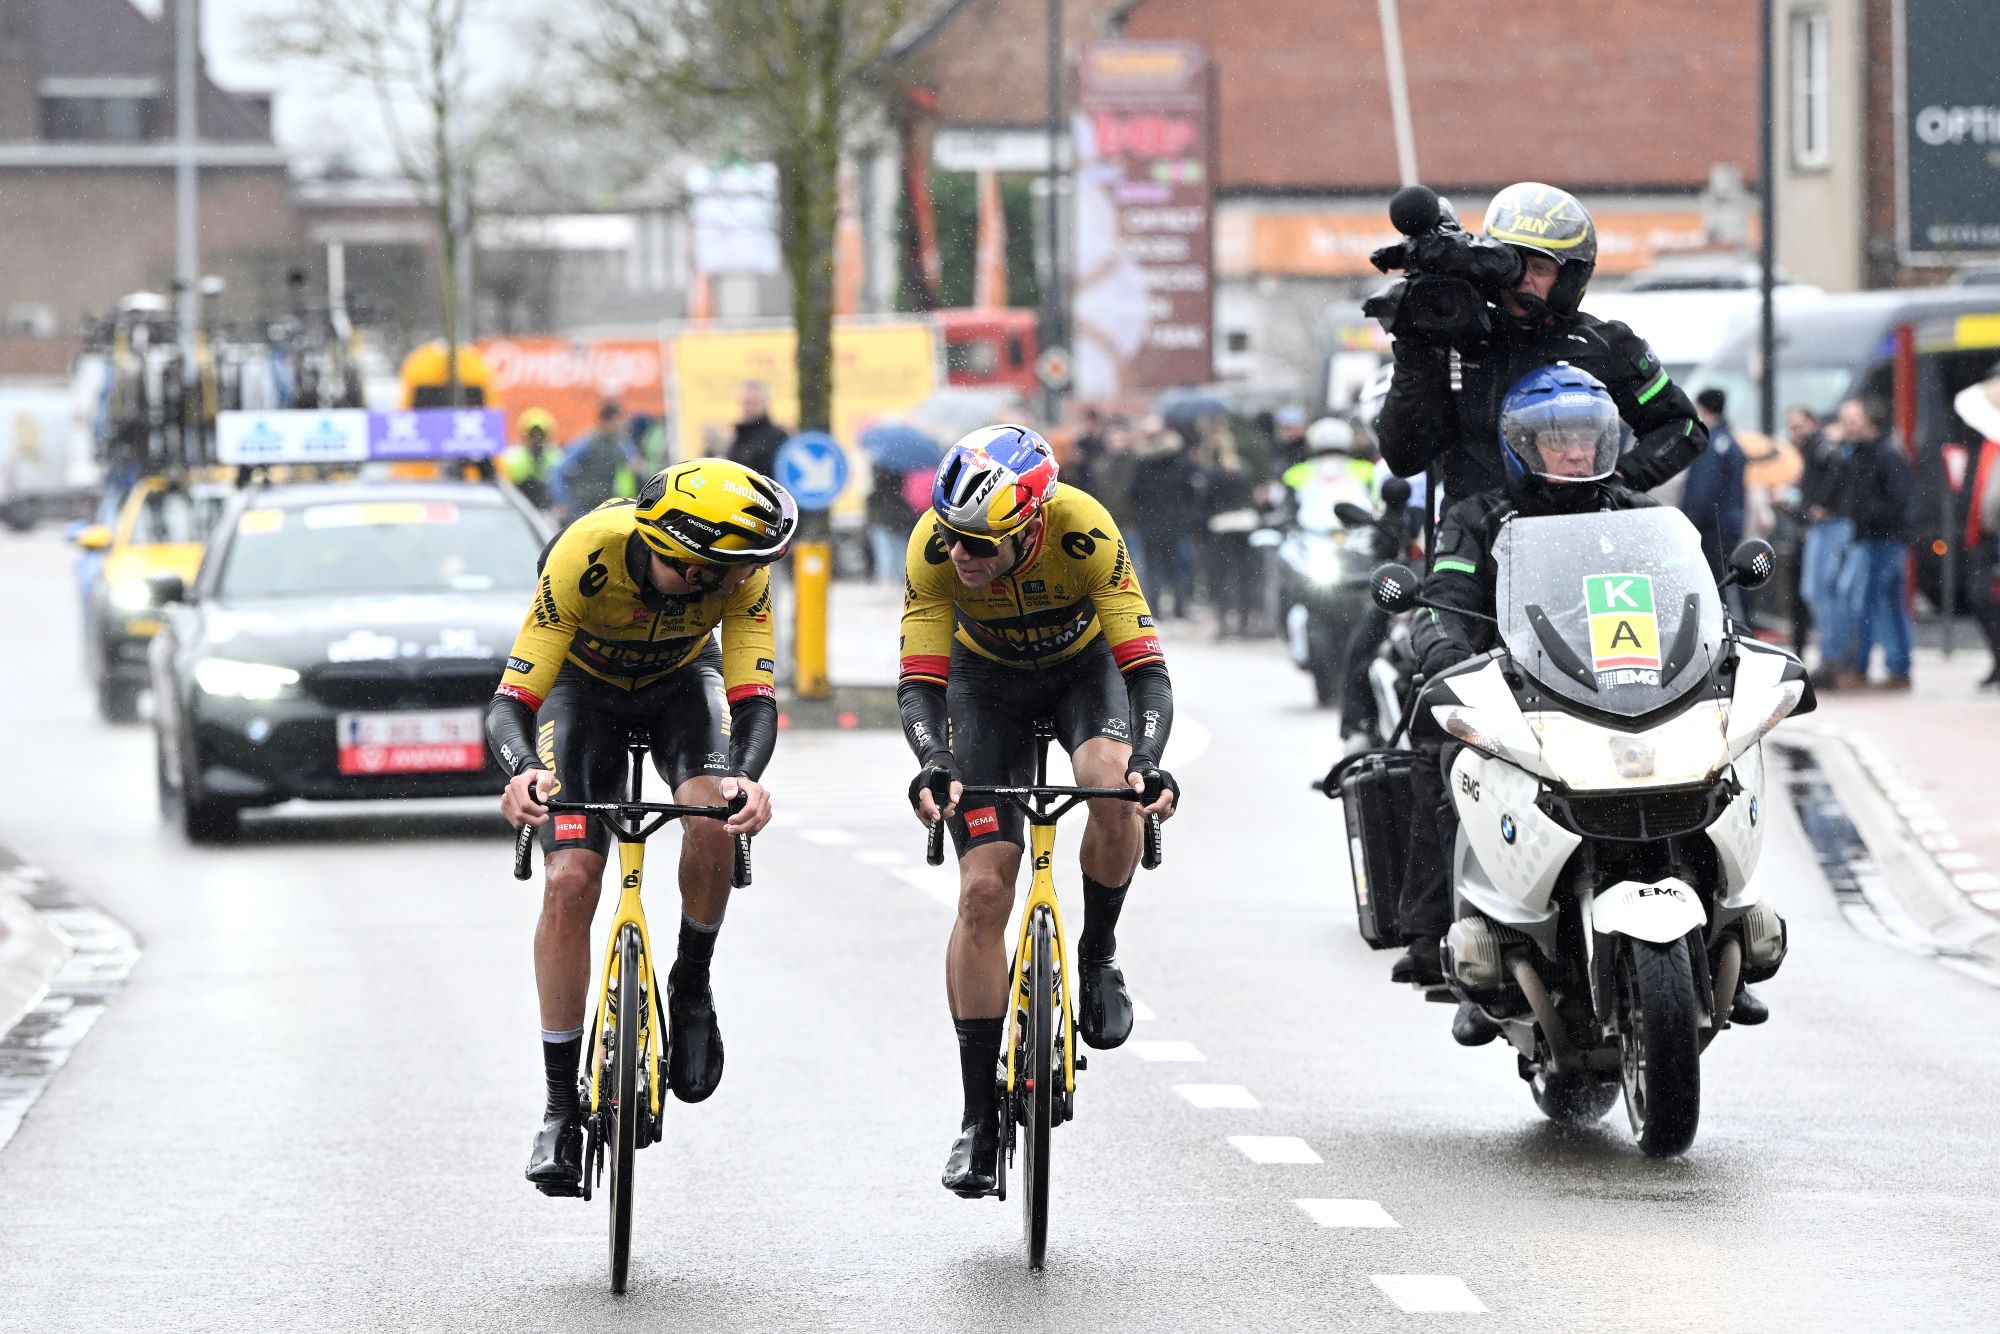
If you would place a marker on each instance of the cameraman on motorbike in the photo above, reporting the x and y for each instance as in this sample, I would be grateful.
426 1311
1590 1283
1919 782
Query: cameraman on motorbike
1558 442
1534 261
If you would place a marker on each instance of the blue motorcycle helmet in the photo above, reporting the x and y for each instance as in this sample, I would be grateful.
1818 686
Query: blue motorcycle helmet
1559 427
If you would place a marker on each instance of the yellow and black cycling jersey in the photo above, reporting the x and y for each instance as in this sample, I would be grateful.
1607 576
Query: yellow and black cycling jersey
1075 585
594 609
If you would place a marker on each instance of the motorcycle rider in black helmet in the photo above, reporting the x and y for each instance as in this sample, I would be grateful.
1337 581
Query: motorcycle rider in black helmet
1443 405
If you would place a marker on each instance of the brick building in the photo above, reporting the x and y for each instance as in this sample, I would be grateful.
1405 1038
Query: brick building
1647 111
87 157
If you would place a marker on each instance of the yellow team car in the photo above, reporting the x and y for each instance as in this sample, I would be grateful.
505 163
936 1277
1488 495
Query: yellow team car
158 529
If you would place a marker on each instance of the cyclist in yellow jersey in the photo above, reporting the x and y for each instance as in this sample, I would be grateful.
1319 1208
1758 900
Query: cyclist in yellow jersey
621 636
1020 602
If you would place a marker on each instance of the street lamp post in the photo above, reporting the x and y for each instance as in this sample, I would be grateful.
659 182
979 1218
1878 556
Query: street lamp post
1053 325
187 266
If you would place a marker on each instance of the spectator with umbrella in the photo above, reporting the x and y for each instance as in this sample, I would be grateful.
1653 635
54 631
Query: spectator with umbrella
896 452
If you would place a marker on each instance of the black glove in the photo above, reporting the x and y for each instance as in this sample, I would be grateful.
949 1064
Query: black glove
1157 780
935 778
1389 257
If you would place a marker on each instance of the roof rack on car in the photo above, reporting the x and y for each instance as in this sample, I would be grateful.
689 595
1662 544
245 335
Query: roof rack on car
323 444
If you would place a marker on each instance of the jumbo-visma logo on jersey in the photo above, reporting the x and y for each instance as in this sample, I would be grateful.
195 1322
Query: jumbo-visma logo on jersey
1035 636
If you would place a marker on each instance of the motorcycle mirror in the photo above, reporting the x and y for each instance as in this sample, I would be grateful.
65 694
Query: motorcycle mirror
1394 588
1395 493
1751 565
1352 514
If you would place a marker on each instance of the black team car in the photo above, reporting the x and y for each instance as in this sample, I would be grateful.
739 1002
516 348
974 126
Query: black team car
341 641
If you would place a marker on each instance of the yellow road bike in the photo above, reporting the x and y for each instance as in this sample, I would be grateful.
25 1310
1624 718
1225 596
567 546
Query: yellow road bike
621 1089
1037 1074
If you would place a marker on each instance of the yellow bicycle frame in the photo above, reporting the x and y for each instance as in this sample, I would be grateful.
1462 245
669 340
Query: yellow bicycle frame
1041 893
631 867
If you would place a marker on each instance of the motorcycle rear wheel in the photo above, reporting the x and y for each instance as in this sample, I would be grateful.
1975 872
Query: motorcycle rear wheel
1659 1046
1573 1099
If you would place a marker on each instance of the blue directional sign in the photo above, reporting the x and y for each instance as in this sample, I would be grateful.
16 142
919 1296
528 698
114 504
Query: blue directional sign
813 467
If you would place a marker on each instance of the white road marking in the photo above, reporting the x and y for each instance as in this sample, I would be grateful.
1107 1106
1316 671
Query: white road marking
1988 899
1973 882
942 888
879 857
1347 1213
1166 1051
1275 1149
828 837
1429 1292
1940 842
1956 861
1141 1010
1218 1096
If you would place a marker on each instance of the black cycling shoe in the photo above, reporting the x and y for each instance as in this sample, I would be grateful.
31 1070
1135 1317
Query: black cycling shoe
1747 1009
1106 1013
555 1163
975 1159
1471 1028
1419 964
694 1044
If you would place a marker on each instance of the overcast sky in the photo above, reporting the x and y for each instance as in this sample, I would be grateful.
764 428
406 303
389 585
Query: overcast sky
313 114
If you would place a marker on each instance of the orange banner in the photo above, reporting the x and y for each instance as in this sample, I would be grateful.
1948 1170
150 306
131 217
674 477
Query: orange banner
989 278
1337 245
570 380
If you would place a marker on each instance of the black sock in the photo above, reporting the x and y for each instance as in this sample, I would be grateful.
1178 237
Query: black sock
697 948
559 1060
978 1052
1101 904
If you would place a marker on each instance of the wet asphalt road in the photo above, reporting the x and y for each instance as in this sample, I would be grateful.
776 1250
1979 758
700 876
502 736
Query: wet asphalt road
310 1107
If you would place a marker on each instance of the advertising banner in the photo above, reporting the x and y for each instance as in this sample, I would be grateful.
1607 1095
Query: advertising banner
356 435
1949 137
1142 310
570 380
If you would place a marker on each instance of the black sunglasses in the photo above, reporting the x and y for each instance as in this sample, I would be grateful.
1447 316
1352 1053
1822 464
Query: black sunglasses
977 547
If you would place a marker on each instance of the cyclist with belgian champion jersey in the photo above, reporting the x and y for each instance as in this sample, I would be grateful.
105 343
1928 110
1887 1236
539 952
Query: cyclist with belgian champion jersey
621 636
1020 602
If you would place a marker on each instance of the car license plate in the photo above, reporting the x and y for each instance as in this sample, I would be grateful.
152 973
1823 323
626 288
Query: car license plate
445 741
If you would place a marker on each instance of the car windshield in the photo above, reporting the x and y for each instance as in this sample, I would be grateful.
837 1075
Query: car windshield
176 516
1615 611
365 547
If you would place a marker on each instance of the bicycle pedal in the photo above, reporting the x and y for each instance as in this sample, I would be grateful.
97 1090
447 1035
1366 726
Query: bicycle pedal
561 1190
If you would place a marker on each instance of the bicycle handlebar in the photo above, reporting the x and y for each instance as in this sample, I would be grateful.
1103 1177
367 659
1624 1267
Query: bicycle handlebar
739 871
941 794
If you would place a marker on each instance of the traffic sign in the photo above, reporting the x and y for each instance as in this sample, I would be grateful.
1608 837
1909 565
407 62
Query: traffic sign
813 467
1052 368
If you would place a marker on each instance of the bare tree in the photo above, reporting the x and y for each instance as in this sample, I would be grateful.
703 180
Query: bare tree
410 55
788 79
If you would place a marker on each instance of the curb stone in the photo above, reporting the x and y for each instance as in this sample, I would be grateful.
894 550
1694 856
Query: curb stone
61 963
1927 905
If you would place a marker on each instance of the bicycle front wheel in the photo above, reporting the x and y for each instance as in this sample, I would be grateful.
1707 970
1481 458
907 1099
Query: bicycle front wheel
1040 1075
628 1100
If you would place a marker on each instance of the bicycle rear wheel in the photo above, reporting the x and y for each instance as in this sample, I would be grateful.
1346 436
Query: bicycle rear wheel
1040 1075
628 1102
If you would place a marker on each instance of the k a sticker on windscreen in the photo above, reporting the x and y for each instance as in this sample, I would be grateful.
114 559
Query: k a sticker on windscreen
1624 629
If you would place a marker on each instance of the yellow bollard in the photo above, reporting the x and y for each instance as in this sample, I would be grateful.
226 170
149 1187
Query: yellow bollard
812 568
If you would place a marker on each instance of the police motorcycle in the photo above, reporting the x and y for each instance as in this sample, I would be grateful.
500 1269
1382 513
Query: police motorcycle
1325 557
1610 795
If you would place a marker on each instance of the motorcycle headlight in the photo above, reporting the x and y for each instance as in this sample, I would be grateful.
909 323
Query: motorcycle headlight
244 680
1323 565
1584 756
131 595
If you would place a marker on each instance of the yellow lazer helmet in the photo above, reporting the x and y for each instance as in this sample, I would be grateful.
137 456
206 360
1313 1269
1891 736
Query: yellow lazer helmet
715 512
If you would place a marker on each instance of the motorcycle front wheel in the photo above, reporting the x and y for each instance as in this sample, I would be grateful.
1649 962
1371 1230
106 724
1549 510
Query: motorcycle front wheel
1659 1046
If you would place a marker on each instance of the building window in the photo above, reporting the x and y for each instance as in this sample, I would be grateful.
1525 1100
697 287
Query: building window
100 119
1812 81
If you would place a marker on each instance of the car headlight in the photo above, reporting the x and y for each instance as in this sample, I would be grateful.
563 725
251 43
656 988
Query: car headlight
1586 757
131 595
244 680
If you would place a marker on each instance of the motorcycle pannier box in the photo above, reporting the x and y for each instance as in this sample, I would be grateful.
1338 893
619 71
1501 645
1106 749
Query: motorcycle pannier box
1375 794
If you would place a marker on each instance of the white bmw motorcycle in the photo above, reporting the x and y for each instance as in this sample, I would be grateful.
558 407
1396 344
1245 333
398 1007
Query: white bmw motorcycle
1609 785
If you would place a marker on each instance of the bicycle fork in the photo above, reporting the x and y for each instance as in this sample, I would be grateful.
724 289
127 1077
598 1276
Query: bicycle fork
631 873
1041 894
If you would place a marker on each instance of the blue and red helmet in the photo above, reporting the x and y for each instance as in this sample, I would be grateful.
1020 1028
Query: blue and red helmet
994 482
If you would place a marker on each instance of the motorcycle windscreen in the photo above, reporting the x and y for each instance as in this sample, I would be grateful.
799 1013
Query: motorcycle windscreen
1616 611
